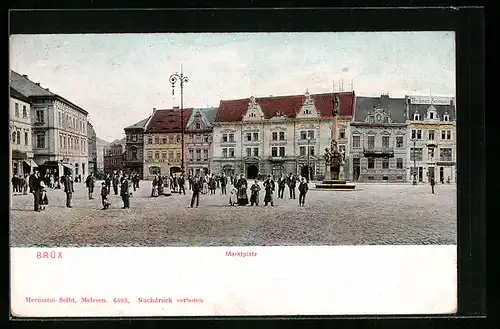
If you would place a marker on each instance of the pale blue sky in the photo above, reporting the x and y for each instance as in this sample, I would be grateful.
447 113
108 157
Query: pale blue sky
119 78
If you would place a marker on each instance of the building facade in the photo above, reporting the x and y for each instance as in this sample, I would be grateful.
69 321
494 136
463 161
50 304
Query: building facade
199 130
100 146
432 136
114 156
278 135
134 162
163 142
92 152
20 132
378 148
59 129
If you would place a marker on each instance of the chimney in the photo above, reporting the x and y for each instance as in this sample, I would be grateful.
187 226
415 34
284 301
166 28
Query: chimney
47 89
37 83
25 76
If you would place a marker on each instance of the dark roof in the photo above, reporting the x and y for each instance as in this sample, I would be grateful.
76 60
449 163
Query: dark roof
33 90
234 110
422 109
167 121
17 95
207 114
393 106
138 125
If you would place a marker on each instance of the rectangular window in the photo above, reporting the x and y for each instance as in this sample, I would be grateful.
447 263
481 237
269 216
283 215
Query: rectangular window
311 150
371 163
249 137
431 153
198 139
255 137
25 113
40 140
413 134
157 155
39 116
255 151
170 155
399 163
415 154
419 134
164 155
150 155
249 152
371 142
310 134
16 111
163 140
157 140
18 137
190 138
60 123
198 155
448 134
302 150
385 163
150 140
282 135
224 138
191 154
206 138
303 135
274 151
385 141
231 138
445 154
399 141
342 133
275 136
224 152
205 154
431 134
231 152
282 151
178 154
443 134
356 141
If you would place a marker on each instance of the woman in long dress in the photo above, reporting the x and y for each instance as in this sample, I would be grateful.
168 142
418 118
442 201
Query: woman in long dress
269 186
167 191
242 191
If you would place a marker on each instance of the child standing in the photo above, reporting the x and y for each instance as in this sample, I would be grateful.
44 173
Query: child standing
104 196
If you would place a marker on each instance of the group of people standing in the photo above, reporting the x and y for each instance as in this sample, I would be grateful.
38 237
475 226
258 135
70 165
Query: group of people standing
163 185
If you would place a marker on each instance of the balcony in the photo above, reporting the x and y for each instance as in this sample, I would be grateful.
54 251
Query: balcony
431 142
379 152
277 158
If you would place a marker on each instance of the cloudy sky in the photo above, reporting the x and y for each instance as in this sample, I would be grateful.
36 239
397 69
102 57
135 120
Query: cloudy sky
119 78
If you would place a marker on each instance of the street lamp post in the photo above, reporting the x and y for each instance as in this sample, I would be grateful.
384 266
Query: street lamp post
414 162
173 80
308 162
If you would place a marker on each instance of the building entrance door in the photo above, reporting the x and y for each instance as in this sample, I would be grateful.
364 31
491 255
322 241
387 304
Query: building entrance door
355 168
420 174
430 173
441 174
252 171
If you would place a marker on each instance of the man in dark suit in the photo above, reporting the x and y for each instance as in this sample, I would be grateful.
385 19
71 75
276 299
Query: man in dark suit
196 192
90 184
182 183
68 189
223 183
125 192
35 188
116 181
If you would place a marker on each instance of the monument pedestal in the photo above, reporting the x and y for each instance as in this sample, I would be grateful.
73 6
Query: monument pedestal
335 184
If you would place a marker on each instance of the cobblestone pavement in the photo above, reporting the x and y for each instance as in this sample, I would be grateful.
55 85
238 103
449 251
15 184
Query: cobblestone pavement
374 214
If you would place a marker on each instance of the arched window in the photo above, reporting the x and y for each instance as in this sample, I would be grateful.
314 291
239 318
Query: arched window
416 117
134 153
13 137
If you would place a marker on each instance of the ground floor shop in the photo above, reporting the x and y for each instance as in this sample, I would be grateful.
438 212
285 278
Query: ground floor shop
442 172
152 169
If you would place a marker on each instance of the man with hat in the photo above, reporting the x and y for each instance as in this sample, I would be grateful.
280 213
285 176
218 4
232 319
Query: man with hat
35 188
68 189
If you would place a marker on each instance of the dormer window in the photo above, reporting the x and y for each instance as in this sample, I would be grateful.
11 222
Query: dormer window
416 117
307 111
198 125
252 115
446 118
431 115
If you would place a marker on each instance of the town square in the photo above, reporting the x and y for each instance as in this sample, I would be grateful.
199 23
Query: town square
122 146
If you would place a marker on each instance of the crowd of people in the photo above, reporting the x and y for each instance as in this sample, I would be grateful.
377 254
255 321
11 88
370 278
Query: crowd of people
163 186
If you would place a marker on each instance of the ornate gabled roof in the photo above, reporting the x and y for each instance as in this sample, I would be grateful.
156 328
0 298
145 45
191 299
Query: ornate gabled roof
395 107
289 106
207 114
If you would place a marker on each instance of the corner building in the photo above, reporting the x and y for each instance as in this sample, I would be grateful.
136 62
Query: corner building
275 135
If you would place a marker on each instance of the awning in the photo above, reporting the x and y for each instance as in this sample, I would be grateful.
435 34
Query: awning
31 163
68 166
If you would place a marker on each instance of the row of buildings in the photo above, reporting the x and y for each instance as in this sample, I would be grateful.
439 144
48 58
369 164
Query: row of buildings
384 139
49 131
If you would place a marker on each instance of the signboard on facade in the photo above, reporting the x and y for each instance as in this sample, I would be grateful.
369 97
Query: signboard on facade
430 100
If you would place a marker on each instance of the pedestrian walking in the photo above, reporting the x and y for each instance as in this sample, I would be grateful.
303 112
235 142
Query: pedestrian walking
281 186
44 200
182 184
68 189
197 186
269 186
35 188
303 188
292 181
125 193
254 193
433 183
223 183
104 196
90 182
107 180
116 181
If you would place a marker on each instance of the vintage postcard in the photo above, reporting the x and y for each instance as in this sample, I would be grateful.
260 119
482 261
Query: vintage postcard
222 174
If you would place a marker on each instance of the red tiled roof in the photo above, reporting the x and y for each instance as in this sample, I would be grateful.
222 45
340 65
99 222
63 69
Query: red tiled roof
167 121
234 110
